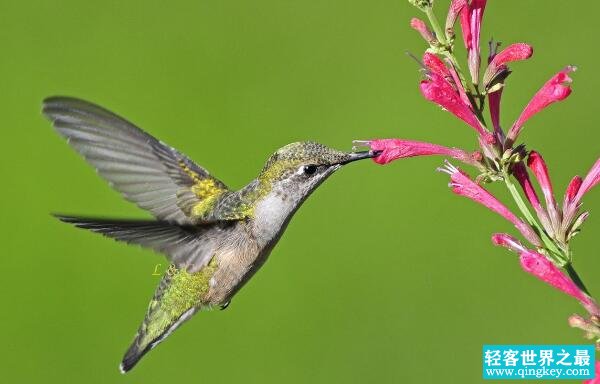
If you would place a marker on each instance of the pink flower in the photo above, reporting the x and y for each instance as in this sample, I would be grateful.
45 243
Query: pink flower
435 65
508 241
559 224
522 176
470 21
494 97
596 379
514 52
459 86
397 149
520 173
540 170
420 26
556 89
438 90
462 185
579 188
542 268
572 190
592 178
494 103
538 167
453 12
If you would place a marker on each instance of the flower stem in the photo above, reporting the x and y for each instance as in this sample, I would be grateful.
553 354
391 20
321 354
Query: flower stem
556 253
518 199
439 33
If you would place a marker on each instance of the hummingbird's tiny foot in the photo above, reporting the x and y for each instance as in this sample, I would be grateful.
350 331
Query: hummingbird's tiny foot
224 306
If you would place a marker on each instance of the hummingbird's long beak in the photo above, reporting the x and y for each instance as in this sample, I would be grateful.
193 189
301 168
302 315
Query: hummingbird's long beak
353 156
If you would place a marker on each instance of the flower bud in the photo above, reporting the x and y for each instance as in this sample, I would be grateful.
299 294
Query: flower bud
420 26
456 7
423 5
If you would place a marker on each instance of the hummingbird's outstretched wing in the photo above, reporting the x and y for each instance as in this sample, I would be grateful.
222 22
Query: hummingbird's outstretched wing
145 170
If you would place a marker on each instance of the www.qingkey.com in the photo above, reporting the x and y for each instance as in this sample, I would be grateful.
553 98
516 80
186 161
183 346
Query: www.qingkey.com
538 373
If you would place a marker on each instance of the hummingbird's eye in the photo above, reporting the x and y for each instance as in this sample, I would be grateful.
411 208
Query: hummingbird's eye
310 169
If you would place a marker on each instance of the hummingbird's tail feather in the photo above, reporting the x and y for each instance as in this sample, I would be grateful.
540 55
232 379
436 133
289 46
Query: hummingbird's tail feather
179 295
144 342
185 246
184 287
130 230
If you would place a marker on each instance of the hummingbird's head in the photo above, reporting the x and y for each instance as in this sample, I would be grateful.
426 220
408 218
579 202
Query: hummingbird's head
288 178
298 168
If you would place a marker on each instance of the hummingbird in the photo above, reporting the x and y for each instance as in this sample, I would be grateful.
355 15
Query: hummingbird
214 238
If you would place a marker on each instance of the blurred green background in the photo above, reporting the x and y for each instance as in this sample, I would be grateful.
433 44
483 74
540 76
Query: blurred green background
383 276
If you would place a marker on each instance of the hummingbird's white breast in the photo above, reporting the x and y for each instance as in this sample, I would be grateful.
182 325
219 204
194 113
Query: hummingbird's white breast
271 216
248 247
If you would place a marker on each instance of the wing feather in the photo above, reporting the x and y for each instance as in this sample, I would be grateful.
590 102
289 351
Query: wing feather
143 169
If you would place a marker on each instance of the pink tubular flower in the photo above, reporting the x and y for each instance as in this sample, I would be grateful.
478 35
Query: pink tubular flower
538 167
520 173
556 89
470 21
514 52
572 190
453 12
438 90
397 149
494 102
592 178
462 184
572 203
507 241
522 176
542 268
494 97
435 64
540 170
459 86
420 26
